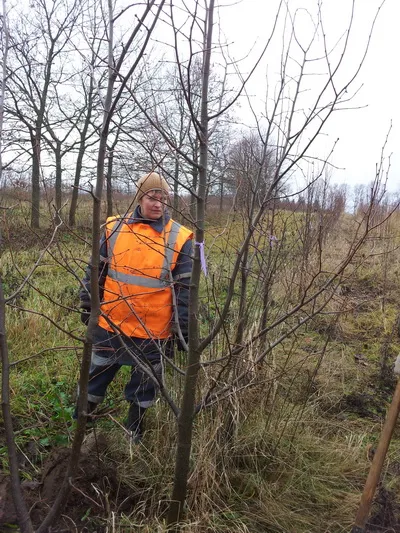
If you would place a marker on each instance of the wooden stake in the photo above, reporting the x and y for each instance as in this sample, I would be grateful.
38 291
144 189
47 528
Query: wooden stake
377 464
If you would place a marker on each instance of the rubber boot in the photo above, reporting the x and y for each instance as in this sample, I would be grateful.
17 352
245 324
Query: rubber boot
134 424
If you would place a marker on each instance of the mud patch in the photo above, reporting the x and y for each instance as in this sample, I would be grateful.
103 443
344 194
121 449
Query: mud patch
363 404
385 515
7 512
96 490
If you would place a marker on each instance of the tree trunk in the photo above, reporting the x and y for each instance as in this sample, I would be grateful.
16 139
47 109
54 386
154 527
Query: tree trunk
77 179
35 180
242 321
186 416
58 181
20 506
22 512
268 270
195 177
81 154
109 183
176 186
94 295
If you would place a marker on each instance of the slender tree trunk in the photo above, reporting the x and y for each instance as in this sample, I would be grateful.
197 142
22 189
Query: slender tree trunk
94 296
109 183
243 298
81 154
268 276
176 185
36 144
113 70
65 488
186 416
193 206
195 181
20 507
58 180
35 180
77 179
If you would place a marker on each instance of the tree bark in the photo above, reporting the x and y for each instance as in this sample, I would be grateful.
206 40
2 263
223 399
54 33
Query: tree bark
24 520
35 180
109 183
186 416
58 180
94 266
77 179
176 185
193 199
20 506
81 154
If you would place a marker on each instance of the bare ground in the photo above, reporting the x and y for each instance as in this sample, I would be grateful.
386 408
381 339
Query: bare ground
95 493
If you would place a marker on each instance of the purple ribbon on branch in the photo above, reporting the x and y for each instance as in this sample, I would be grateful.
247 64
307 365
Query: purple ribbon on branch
202 257
273 241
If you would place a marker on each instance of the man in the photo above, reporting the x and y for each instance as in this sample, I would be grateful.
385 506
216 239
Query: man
145 269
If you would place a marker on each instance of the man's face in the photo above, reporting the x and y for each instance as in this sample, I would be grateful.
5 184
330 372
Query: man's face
152 204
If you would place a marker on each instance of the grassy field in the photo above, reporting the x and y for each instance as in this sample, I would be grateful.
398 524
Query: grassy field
305 424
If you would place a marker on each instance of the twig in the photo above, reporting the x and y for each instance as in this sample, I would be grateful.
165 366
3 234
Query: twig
36 265
38 354
85 495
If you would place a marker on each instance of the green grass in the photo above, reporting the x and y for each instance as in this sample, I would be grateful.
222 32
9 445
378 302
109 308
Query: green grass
297 460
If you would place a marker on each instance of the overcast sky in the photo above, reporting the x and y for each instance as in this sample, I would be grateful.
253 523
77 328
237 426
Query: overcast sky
361 132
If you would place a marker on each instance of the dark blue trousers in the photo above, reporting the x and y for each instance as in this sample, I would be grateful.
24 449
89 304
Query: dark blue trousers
111 351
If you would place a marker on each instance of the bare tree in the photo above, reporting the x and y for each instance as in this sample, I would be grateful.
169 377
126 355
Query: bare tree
21 508
39 53
57 137
250 321
116 81
291 149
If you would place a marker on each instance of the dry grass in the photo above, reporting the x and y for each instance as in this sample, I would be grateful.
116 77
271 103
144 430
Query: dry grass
288 452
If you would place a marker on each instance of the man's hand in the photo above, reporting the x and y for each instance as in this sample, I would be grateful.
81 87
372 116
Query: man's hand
85 315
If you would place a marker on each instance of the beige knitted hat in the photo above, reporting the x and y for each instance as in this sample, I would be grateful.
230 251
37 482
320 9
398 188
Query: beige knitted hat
151 182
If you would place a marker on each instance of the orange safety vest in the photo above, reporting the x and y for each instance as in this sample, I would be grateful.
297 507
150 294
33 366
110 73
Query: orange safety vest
138 287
